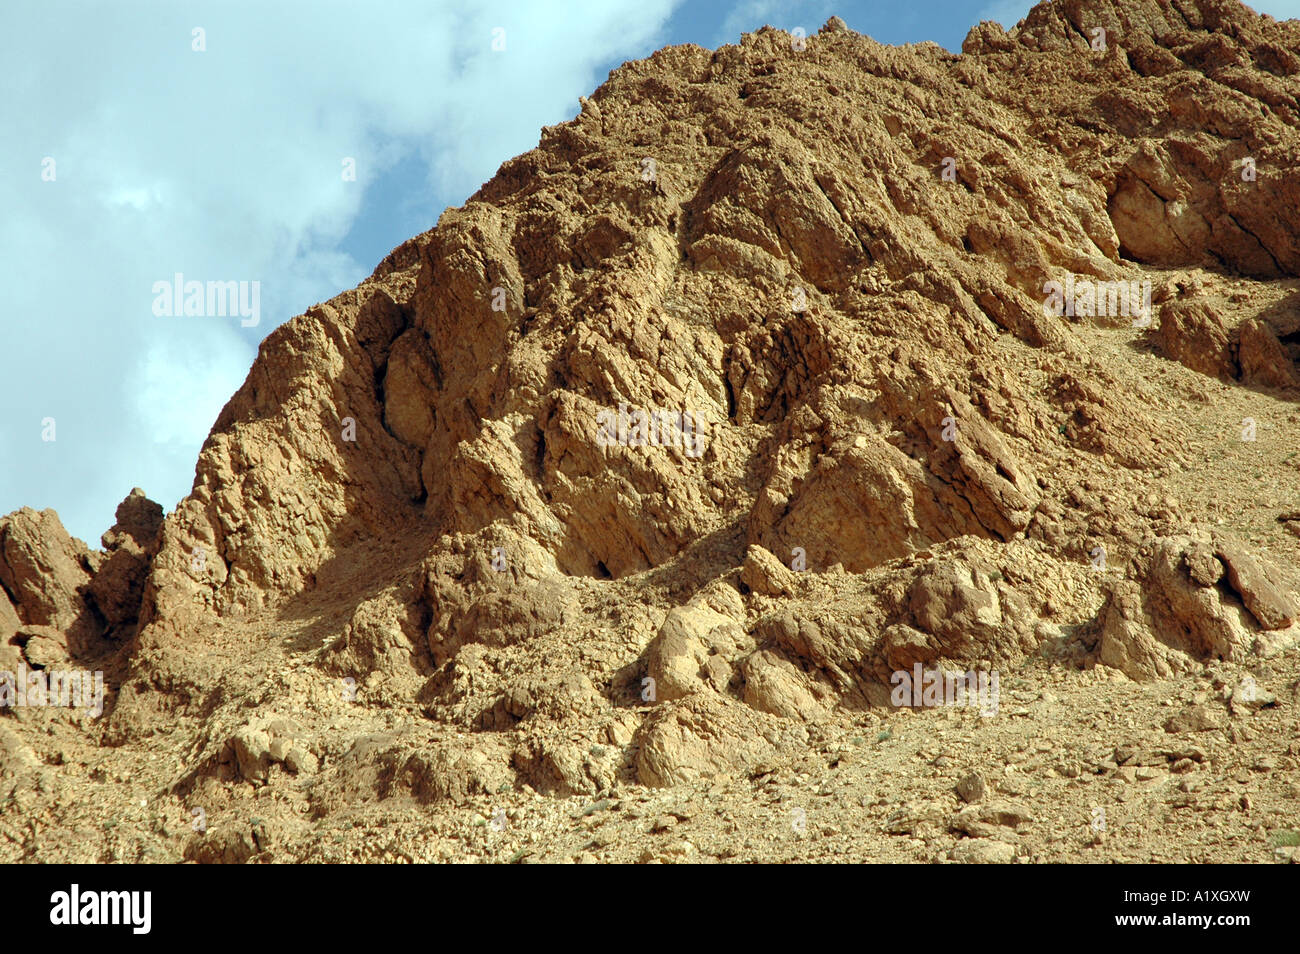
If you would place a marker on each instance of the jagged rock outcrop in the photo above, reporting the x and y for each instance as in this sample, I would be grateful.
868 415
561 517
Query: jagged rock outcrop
59 600
739 395
129 547
45 573
696 311
1201 599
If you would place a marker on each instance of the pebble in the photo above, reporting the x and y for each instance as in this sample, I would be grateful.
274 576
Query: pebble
972 788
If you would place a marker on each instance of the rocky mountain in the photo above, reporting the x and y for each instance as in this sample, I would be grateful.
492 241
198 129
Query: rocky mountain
605 520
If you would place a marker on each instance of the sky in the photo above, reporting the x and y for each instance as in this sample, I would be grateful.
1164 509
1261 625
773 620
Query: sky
287 146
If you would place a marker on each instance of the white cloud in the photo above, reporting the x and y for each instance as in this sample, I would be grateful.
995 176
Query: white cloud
747 16
177 389
226 165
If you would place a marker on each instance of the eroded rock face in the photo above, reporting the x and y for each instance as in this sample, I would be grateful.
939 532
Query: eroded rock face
692 651
45 572
1194 333
1263 358
1202 599
1258 351
64 606
473 365
706 737
731 400
130 546
1257 584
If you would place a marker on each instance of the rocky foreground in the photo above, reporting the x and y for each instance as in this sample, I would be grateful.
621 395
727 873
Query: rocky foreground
815 450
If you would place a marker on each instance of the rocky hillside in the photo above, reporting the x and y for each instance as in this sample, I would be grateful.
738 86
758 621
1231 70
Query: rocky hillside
604 519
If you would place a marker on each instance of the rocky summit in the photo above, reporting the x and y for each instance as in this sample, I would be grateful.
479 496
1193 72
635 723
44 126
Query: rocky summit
815 450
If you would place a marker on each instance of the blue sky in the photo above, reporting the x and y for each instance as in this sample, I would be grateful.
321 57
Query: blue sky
225 165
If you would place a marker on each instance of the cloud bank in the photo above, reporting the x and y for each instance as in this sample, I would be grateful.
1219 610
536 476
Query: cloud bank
142 140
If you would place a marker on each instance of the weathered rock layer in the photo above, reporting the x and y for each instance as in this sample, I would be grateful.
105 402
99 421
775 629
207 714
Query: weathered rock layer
807 285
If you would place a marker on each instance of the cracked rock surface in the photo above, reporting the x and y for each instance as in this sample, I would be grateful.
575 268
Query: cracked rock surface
599 523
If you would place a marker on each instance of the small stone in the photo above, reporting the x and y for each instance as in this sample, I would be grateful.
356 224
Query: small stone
1203 566
765 574
972 787
982 851
301 762
1193 752
252 753
1125 754
1248 697
282 728
1011 785
1195 718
